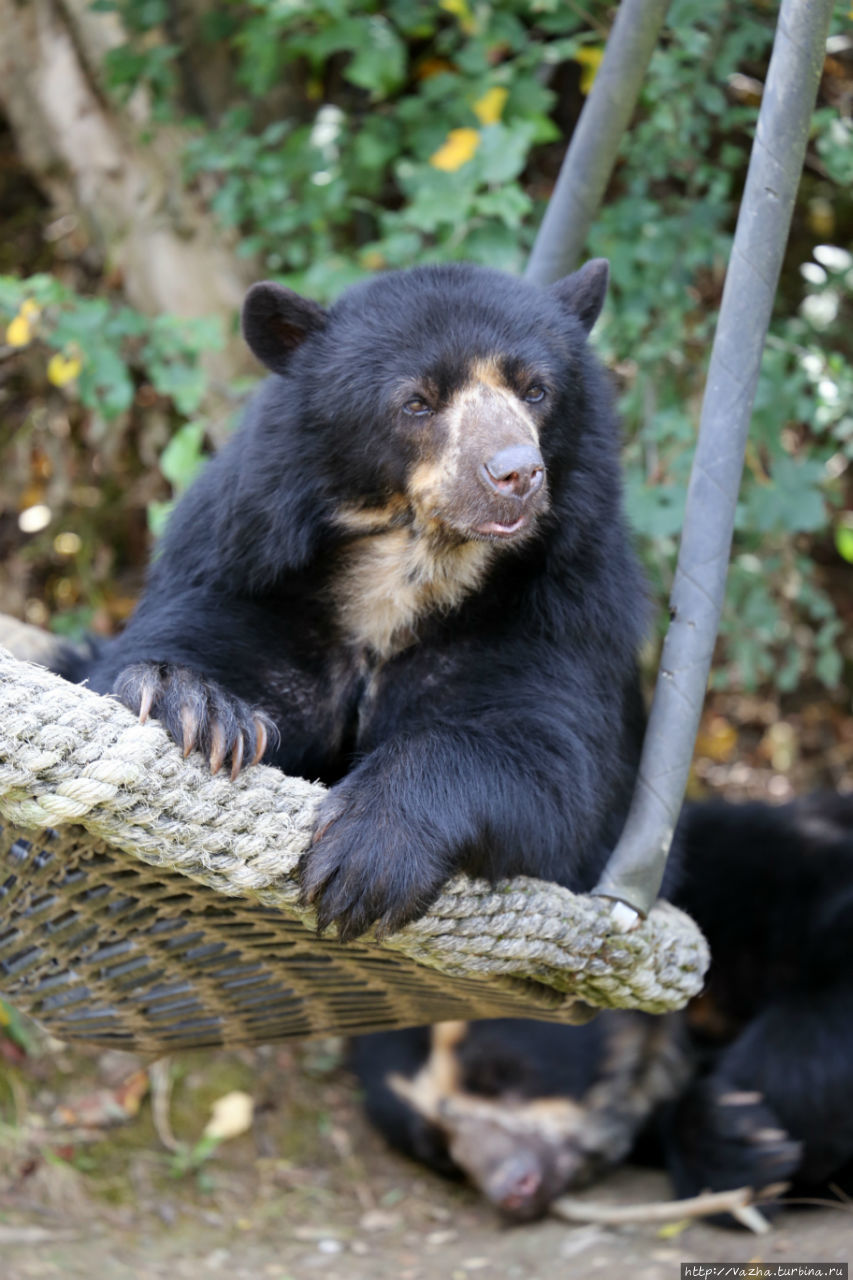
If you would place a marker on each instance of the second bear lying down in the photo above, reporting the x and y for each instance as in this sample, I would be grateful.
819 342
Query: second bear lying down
750 1087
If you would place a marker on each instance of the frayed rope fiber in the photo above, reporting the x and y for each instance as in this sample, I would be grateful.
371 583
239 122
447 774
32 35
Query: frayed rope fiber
69 757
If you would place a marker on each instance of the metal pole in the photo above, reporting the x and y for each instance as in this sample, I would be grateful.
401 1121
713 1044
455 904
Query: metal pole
595 141
636 867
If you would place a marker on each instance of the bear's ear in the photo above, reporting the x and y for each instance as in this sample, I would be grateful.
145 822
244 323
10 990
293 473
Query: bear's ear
584 291
276 320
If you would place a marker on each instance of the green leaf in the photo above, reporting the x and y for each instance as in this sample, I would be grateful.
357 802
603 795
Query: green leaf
15 1027
158 518
182 457
105 383
791 502
502 153
844 542
380 63
829 667
835 148
656 511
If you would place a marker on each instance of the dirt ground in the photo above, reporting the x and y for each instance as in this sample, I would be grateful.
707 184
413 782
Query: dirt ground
427 1235
103 1175
307 1191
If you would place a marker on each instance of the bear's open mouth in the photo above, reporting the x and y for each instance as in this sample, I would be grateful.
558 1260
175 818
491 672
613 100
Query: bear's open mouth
494 529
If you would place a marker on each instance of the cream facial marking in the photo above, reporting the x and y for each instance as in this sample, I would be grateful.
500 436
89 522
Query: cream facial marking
423 552
482 415
436 1093
438 1077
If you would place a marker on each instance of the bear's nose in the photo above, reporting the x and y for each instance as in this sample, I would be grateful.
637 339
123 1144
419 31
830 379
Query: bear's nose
517 470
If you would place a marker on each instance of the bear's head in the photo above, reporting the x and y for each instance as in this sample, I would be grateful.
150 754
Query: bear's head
528 1110
441 399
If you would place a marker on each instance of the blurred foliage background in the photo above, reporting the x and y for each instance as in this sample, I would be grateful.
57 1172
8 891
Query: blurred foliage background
156 156
321 140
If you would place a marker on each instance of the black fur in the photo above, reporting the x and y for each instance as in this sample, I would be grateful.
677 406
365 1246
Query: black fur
772 888
505 737
767 1096
376 1057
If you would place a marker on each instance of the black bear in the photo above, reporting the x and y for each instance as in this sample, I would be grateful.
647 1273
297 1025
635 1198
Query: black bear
751 1086
524 1110
408 575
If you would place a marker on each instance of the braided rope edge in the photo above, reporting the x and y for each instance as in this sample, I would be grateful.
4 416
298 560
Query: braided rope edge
68 755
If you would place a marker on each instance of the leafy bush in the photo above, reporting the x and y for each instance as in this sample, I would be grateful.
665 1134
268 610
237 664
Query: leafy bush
98 345
100 376
425 120
668 238
358 136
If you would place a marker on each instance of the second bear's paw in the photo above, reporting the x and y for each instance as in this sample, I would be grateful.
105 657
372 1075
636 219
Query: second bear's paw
364 867
199 713
726 1138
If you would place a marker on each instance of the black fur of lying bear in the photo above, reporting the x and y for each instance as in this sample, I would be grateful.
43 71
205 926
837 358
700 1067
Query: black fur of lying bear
772 889
751 1086
408 575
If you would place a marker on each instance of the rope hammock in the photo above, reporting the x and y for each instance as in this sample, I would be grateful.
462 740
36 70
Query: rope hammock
205 942
145 903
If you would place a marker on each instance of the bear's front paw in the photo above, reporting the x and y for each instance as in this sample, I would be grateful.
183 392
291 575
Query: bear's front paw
197 712
724 1138
365 867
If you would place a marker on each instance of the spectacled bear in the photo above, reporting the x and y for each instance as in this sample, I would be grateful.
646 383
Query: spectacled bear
750 1086
522 1109
408 575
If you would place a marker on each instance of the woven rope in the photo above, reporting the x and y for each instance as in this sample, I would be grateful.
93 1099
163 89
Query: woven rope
68 756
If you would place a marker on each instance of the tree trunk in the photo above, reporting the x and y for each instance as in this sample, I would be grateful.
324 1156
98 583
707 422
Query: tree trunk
120 177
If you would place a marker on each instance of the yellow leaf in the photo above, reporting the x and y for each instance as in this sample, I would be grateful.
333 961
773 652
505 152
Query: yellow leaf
460 9
489 108
19 331
717 739
232 1115
433 67
373 260
821 216
672 1229
63 369
589 58
457 149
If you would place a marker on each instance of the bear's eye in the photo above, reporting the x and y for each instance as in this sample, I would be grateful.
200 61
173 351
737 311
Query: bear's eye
416 407
534 394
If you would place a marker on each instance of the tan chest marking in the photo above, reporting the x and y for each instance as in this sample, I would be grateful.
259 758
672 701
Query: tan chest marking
389 581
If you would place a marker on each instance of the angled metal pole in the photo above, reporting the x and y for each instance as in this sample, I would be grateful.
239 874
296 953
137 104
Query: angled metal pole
636 867
589 161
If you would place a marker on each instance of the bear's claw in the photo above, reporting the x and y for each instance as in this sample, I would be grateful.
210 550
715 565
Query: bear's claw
365 866
729 1138
198 713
